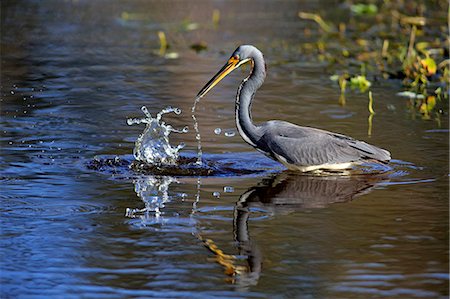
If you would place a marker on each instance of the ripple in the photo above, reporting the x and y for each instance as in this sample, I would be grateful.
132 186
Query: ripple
385 293
163 223
53 210
338 113
248 164
220 213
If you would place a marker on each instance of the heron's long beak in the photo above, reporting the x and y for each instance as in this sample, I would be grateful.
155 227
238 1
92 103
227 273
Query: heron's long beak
232 64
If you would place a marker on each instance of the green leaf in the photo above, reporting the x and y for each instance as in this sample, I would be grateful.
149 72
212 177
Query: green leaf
429 65
360 82
364 9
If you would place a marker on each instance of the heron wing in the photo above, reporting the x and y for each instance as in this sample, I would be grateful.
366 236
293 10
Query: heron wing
310 146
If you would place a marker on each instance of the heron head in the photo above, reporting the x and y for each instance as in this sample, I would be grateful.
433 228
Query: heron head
239 57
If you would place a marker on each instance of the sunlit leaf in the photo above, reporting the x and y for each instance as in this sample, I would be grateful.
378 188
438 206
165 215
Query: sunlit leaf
334 78
192 26
422 46
360 82
172 55
362 42
411 95
431 102
423 109
429 65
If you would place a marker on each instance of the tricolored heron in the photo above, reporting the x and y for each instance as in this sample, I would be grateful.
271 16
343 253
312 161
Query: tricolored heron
298 148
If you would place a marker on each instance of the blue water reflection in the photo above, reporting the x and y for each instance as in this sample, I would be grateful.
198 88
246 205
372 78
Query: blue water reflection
72 72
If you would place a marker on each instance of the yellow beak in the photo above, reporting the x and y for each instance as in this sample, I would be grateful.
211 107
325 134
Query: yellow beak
232 64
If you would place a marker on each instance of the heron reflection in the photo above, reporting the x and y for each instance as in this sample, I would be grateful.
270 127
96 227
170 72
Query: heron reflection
285 193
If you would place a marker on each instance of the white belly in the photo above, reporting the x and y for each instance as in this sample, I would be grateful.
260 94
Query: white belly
309 168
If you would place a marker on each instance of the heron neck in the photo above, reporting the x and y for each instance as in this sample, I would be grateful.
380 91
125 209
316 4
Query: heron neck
247 129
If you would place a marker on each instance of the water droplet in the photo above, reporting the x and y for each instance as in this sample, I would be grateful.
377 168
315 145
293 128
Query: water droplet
145 110
12 91
129 212
217 131
197 133
230 134
228 189
216 194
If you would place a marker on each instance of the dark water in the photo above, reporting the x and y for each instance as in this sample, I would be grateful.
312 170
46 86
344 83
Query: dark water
71 74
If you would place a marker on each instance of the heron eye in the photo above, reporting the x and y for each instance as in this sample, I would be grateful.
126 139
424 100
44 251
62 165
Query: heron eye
236 57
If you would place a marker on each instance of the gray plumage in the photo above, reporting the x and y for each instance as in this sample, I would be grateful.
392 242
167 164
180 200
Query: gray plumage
307 146
299 148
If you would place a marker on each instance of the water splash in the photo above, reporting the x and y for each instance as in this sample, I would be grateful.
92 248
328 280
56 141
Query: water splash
153 146
197 132
154 192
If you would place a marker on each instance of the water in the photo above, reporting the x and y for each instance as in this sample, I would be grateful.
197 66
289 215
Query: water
198 137
70 79
153 146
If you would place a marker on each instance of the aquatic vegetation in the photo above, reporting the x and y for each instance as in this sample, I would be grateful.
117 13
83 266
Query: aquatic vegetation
359 82
364 9
318 19
372 113
389 40
216 18
164 46
199 47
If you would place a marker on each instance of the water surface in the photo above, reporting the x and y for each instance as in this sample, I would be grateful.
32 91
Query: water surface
74 71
